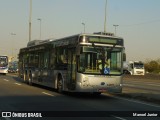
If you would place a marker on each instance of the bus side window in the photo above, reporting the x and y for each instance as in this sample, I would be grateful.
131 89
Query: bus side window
41 60
52 59
61 56
46 59
31 59
25 60
36 59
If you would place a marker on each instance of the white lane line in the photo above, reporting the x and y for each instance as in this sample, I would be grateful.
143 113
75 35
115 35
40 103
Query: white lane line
128 85
5 80
145 84
149 104
47 94
153 84
134 85
17 83
118 117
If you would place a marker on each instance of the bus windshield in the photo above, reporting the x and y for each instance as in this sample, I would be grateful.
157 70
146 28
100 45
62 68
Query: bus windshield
100 60
3 61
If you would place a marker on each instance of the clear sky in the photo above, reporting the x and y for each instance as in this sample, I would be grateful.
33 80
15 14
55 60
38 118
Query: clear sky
138 20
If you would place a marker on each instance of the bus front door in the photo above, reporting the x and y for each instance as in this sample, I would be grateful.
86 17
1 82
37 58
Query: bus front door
71 69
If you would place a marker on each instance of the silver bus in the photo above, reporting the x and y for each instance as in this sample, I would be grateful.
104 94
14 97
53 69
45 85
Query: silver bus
3 64
79 63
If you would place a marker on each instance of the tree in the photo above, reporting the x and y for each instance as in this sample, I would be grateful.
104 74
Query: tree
153 66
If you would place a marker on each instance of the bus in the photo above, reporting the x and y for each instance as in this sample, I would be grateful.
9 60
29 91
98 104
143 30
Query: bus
80 63
134 68
3 64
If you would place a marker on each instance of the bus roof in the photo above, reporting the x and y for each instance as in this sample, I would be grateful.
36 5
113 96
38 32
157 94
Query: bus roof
41 42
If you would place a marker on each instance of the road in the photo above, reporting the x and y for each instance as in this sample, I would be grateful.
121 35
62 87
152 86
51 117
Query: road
142 86
142 82
18 96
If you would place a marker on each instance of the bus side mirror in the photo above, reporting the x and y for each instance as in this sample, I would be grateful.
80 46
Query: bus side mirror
124 56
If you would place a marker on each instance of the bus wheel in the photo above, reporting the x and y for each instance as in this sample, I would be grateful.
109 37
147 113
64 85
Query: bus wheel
30 79
59 84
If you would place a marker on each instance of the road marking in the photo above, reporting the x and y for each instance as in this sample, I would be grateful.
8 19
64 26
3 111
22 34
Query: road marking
5 80
149 104
128 85
153 84
17 83
47 94
118 117
138 84
146 83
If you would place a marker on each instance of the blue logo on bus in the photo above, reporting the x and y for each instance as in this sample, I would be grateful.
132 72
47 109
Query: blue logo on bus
106 70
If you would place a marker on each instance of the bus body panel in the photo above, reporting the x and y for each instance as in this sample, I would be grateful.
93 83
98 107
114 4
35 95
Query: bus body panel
65 58
48 77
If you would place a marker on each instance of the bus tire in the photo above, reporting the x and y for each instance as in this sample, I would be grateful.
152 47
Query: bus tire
59 84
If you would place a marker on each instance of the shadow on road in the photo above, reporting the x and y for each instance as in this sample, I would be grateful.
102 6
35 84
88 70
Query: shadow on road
69 94
147 97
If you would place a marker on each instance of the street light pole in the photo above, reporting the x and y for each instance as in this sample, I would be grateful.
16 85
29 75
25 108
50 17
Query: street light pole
30 19
12 34
40 27
115 28
84 26
105 17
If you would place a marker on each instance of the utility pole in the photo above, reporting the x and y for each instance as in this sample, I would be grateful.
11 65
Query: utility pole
105 17
40 28
12 56
30 19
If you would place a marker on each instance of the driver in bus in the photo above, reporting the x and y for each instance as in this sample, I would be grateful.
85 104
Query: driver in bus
106 64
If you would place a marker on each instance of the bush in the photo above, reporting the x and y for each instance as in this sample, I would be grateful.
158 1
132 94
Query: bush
152 66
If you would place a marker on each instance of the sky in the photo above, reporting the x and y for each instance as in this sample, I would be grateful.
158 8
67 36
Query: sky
138 20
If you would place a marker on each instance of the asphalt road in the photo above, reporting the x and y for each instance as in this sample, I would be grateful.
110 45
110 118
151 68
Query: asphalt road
16 96
142 86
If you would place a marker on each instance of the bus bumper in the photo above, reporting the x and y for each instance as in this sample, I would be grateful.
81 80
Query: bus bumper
89 88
